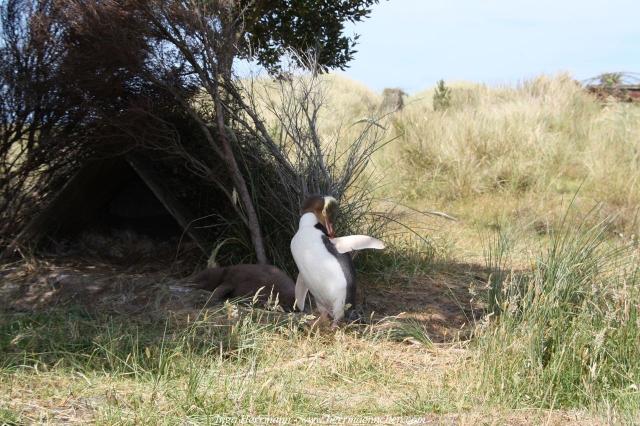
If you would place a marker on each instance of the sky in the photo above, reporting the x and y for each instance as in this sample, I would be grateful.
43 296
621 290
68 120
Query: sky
411 44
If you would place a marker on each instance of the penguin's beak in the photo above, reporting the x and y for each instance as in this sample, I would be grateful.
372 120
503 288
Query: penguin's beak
329 226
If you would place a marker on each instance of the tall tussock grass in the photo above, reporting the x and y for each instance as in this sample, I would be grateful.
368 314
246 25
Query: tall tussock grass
541 139
567 332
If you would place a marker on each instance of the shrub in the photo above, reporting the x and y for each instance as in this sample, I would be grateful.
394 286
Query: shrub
441 97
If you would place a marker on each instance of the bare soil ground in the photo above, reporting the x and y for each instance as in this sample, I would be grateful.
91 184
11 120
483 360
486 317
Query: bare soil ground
440 302
44 284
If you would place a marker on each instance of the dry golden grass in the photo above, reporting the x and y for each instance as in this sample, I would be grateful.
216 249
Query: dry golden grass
519 153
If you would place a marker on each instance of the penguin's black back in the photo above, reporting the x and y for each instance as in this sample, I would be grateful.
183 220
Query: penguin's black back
348 269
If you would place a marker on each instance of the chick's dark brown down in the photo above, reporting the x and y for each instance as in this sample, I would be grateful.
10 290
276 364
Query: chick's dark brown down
245 280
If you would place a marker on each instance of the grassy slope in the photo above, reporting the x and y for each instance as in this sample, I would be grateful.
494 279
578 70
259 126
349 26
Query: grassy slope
520 154
507 162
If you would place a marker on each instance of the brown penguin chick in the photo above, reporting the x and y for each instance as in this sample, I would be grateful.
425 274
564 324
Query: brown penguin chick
245 280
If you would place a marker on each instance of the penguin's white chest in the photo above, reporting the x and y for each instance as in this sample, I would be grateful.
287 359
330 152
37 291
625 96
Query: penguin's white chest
320 269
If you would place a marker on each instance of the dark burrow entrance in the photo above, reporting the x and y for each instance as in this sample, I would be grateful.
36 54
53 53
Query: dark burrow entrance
116 211
133 207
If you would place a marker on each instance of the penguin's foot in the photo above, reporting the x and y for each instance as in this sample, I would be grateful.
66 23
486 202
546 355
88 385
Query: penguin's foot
322 321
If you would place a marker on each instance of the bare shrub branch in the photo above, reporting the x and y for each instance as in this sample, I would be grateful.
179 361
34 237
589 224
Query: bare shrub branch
302 161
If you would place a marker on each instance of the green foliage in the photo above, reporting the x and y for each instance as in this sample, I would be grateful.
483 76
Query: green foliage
441 97
610 79
274 26
411 331
9 417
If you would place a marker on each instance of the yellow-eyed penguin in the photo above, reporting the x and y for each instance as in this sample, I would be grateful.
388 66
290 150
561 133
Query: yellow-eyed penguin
324 263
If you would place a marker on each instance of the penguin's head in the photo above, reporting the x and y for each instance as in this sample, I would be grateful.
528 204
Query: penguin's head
324 208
